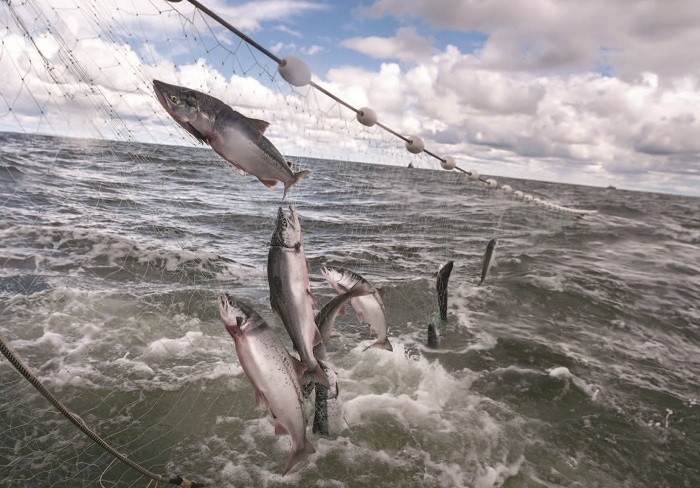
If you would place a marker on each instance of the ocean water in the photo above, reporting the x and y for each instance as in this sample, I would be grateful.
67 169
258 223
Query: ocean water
576 364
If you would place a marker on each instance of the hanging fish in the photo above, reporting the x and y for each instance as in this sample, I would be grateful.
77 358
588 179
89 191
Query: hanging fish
290 294
272 372
369 308
489 256
236 138
442 276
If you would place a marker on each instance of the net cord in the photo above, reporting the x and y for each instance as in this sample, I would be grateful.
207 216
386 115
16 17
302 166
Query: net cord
277 60
22 367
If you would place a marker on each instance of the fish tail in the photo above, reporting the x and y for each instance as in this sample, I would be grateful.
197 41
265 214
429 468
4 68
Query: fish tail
385 344
320 377
433 335
297 456
296 179
315 376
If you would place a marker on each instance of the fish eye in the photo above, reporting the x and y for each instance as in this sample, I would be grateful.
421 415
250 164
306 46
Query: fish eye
174 98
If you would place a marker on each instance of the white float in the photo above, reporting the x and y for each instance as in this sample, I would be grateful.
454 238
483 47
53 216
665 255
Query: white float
448 163
366 116
294 71
415 145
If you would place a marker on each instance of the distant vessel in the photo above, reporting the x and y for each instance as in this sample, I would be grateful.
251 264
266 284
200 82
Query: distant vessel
611 187
410 165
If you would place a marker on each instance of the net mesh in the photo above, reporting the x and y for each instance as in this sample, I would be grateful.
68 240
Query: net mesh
113 251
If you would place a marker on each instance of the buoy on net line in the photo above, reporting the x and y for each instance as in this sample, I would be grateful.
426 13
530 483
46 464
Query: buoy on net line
367 117
415 145
294 71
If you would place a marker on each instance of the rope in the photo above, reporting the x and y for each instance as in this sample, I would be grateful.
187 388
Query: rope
277 60
26 371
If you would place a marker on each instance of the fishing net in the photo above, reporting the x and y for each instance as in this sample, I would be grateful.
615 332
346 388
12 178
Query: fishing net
119 230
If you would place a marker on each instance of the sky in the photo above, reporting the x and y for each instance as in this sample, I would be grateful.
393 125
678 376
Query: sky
596 92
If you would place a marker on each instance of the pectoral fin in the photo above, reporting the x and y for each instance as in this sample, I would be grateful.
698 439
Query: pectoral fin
268 183
259 399
261 125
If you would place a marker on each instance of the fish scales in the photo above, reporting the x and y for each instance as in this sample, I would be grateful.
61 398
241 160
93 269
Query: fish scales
290 293
271 370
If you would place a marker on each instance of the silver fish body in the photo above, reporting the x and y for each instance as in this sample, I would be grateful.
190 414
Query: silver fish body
272 372
442 278
236 138
290 294
489 256
325 319
369 308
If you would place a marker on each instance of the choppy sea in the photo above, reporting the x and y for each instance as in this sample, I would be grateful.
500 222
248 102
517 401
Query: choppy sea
576 363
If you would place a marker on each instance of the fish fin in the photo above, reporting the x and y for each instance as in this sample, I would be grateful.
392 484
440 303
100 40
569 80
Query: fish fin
318 376
385 344
359 290
297 456
261 125
299 367
259 399
314 301
296 179
433 335
280 429
318 338
268 183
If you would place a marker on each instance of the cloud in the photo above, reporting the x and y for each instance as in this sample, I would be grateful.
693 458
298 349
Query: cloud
524 105
406 45
541 35
311 50
603 126
284 28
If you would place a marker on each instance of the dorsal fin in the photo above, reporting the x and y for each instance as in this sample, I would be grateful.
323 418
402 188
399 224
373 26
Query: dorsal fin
261 125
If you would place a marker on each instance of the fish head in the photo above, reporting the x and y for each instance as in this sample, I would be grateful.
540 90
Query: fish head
236 315
288 230
186 106
182 103
339 278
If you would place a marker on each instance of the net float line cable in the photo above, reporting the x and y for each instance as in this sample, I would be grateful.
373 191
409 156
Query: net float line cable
296 73
277 60
24 369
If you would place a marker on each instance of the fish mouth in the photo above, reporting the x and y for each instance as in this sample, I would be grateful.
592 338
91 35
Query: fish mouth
159 88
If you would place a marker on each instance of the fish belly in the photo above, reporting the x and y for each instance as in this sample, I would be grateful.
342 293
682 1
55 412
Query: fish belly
244 153
269 368
296 308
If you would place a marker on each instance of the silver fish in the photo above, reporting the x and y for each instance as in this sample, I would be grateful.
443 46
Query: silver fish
290 294
489 255
236 138
325 319
272 372
369 308
442 276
